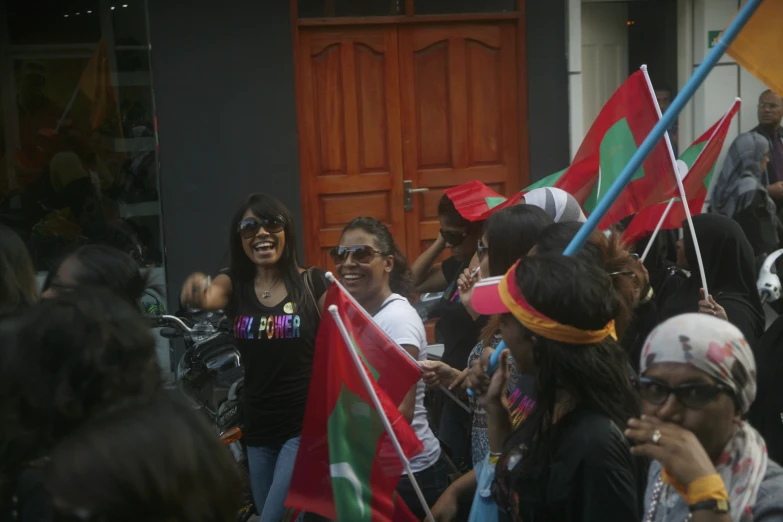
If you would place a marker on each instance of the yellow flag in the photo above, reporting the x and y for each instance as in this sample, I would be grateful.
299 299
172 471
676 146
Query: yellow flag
759 45
96 84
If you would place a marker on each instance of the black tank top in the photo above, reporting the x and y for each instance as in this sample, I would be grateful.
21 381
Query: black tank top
277 345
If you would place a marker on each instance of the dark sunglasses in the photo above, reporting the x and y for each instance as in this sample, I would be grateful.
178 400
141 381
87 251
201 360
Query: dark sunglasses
361 254
249 227
453 238
695 395
481 249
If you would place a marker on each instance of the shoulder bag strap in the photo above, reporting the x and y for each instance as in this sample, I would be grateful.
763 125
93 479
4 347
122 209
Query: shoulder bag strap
308 282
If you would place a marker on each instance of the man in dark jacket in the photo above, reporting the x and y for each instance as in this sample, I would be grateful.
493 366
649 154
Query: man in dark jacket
770 114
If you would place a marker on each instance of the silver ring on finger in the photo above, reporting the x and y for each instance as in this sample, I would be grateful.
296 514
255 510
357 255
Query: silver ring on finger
656 437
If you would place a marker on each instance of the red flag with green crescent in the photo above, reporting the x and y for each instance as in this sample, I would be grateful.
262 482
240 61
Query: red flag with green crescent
346 467
623 124
700 158
474 200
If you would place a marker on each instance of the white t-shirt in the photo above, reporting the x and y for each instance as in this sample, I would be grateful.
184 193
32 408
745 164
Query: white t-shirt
399 320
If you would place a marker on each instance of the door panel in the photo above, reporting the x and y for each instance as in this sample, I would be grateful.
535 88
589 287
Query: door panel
351 157
458 92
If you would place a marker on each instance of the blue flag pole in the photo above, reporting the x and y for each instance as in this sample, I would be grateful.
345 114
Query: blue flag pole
664 123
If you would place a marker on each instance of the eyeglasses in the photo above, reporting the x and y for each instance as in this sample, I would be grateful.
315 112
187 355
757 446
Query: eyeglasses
694 395
249 227
453 238
361 254
481 249
763 106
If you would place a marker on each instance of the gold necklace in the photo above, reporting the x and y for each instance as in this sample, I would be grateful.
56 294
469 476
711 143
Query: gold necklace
265 294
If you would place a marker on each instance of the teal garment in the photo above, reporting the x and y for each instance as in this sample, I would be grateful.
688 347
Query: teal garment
484 508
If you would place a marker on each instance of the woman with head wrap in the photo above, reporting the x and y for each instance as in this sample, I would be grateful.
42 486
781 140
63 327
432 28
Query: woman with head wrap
559 204
730 273
740 193
698 381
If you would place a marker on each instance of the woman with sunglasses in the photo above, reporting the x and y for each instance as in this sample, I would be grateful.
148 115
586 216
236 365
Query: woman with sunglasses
275 305
375 272
457 327
698 381
569 461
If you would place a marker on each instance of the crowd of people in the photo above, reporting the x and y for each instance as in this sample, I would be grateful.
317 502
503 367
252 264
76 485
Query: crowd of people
625 393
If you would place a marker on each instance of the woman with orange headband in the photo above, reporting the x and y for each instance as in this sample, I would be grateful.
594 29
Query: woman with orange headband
569 461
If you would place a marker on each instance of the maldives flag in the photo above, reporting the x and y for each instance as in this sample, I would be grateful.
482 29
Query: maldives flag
474 200
346 467
623 124
700 158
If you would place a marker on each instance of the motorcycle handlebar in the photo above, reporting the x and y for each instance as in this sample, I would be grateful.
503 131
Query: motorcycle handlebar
163 320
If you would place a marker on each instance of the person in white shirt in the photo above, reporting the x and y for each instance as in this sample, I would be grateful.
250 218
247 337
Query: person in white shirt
372 268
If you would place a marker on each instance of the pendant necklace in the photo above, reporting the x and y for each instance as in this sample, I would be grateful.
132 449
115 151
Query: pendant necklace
265 294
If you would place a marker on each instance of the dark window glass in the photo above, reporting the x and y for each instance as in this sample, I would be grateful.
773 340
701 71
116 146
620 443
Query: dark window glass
463 6
46 22
129 18
343 8
82 144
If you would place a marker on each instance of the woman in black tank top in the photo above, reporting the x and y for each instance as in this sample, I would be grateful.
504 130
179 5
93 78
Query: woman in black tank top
275 306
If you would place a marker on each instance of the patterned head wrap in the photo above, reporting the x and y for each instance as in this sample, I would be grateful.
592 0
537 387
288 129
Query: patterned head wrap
717 348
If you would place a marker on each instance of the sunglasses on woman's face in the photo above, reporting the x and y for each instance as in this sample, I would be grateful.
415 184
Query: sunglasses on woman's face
453 238
362 254
693 395
481 249
249 227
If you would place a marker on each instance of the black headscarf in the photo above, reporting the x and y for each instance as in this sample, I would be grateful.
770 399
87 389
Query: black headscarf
730 270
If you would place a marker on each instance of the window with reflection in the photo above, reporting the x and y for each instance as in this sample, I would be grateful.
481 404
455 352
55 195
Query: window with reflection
78 135
345 8
423 7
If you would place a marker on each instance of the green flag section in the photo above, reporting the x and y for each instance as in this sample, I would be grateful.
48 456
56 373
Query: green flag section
346 467
622 125
700 158
548 181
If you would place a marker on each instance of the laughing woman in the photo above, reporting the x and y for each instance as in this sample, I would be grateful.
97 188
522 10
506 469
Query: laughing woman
374 271
275 306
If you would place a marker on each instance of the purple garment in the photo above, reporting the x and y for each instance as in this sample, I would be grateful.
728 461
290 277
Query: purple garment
775 169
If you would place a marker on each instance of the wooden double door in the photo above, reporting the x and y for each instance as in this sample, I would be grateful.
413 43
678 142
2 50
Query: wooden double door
391 115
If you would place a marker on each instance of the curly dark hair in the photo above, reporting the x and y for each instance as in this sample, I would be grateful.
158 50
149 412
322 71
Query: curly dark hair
400 276
574 292
66 360
154 461
607 252
17 273
449 212
107 267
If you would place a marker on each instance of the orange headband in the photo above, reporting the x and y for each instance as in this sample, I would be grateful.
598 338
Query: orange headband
542 325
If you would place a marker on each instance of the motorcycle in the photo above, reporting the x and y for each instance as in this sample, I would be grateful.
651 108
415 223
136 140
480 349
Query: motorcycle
210 376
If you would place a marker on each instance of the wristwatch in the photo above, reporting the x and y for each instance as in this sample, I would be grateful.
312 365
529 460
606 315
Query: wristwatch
719 506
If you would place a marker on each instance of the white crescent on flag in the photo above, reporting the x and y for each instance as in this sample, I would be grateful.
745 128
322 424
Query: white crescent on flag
345 470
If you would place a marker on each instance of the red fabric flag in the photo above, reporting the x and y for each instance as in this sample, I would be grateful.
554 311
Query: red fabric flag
623 124
474 200
700 158
346 467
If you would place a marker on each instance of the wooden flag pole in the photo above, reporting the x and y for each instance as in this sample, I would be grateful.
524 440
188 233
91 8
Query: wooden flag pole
379 408
664 123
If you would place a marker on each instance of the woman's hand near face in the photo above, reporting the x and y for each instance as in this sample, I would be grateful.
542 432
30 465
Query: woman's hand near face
710 306
465 283
678 450
199 291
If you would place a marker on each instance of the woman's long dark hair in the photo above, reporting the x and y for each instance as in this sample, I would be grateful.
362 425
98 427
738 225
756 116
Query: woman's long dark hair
17 273
574 292
511 233
400 276
65 360
244 270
